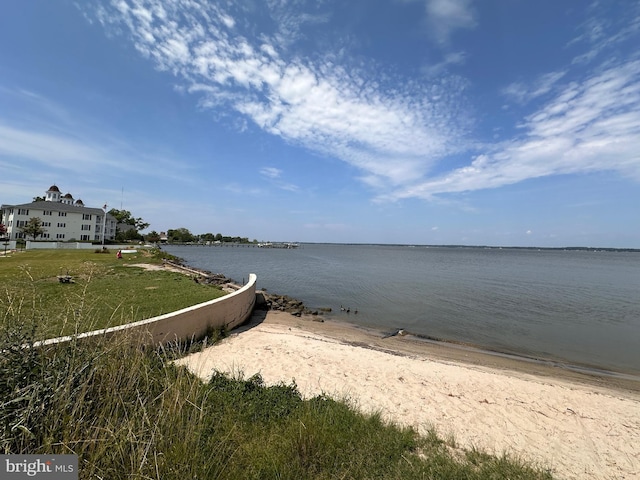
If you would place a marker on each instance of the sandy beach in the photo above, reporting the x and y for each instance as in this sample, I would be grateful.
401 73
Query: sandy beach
575 425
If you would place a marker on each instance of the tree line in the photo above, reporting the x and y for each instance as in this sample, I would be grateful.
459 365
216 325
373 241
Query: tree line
183 235
129 230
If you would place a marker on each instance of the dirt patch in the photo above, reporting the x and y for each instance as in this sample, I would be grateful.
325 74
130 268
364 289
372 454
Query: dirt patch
156 267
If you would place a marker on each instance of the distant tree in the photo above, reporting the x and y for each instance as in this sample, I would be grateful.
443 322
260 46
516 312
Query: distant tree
183 235
152 237
33 228
133 235
229 239
125 216
133 225
38 199
180 235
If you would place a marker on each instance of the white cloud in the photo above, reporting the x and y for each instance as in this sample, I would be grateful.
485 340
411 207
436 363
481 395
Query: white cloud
446 16
524 92
40 135
72 152
52 150
392 135
450 59
587 127
394 132
275 175
603 31
271 172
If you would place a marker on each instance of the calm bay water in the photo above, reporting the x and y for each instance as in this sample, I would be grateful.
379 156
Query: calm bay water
575 307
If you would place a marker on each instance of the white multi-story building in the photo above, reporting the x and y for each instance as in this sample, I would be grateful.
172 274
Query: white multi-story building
63 219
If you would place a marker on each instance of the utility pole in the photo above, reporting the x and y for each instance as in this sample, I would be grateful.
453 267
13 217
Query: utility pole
104 224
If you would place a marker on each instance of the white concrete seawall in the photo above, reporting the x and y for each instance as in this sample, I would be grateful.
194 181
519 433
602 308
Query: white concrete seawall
191 322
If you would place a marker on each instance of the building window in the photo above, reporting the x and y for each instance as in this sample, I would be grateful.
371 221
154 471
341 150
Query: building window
46 224
45 235
62 214
59 236
84 238
86 227
23 211
21 223
61 225
47 212
86 216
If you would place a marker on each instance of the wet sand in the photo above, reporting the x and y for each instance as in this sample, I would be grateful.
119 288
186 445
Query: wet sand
576 425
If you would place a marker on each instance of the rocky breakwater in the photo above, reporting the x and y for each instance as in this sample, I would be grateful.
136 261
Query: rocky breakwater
203 276
264 300
285 303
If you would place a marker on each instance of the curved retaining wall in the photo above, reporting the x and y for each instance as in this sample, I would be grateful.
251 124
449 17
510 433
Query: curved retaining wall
191 322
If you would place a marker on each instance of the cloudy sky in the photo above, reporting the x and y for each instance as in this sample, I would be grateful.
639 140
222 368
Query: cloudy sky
378 121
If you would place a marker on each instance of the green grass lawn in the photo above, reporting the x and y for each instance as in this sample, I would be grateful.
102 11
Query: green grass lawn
105 291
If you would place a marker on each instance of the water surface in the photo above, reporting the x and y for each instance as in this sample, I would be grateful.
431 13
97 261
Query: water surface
578 307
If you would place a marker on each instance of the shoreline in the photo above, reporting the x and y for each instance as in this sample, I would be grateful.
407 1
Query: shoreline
516 361
543 366
513 317
573 424
409 344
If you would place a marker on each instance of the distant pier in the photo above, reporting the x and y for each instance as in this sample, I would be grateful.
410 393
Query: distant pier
285 245
277 245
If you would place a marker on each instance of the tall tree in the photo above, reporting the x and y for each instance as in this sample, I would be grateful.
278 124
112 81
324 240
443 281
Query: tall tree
33 228
125 216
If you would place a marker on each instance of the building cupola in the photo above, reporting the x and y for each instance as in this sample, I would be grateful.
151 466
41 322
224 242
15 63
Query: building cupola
53 194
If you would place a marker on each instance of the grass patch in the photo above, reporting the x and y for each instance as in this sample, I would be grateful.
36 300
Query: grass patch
105 291
131 413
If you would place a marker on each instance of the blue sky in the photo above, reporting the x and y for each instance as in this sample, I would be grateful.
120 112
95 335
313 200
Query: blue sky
383 121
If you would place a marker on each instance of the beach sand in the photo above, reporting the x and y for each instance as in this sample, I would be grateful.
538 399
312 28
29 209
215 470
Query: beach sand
575 425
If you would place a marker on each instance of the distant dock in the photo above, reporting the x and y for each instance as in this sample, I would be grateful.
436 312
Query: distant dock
278 245
285 245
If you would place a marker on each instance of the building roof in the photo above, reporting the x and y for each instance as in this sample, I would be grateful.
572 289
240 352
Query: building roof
53 188
56 207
